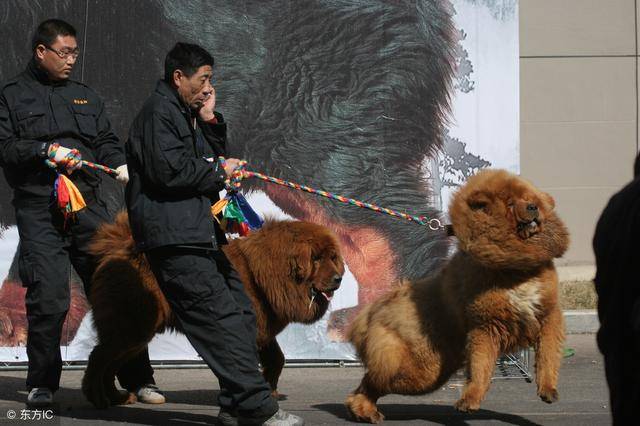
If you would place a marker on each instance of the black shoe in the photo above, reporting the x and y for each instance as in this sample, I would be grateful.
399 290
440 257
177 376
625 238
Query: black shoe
227 417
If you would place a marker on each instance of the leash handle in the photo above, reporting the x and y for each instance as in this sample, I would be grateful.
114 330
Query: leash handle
74 155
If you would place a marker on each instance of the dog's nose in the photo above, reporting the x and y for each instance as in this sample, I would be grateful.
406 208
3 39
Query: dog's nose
337 279
532 208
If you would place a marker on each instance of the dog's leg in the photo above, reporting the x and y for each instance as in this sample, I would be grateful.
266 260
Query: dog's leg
362 402
116 396
98 383
482 353
272 360
549 355
92 382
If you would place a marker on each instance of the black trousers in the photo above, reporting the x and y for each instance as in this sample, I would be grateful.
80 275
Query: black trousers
215 314
47 249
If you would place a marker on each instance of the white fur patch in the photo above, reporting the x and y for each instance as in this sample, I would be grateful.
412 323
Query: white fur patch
526 299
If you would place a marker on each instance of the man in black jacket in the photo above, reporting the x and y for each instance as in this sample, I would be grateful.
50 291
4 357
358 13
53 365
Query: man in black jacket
169 197
617 280
44 115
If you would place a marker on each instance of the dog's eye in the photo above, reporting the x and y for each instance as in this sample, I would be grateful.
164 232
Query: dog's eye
478 205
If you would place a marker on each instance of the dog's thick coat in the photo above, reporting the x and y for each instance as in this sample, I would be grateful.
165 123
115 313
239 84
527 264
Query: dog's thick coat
497 294
289 270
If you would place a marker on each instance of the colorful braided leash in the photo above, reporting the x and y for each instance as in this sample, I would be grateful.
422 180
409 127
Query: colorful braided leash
233 185
74 156
234 182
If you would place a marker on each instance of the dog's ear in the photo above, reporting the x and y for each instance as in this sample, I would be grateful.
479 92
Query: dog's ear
300 261
548 199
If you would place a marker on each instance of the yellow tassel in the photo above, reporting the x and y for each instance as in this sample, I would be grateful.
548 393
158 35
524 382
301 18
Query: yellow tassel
218 208
75 197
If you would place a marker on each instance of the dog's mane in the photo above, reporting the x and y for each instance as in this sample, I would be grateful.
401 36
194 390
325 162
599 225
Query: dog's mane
269 256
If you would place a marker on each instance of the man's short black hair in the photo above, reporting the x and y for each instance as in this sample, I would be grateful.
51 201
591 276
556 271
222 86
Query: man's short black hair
187 58
49 30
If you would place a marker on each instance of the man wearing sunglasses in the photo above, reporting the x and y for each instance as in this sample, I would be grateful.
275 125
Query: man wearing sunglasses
46 116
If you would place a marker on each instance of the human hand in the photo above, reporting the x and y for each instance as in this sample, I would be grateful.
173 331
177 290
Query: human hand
208 106
230 165
71 159
123 174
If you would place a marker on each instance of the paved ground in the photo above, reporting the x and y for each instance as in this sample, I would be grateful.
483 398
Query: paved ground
317 394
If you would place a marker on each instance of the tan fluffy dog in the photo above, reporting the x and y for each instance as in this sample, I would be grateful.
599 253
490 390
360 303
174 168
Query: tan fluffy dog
289 270
497 294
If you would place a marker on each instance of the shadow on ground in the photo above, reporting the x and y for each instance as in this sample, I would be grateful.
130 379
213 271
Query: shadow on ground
441 414
71 403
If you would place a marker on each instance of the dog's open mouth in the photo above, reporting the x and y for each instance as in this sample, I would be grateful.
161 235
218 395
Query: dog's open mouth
326 294
528 229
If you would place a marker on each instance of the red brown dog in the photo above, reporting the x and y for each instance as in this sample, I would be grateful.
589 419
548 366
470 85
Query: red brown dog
289 270
497 294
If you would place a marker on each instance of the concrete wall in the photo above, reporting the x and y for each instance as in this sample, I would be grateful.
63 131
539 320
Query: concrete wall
579 106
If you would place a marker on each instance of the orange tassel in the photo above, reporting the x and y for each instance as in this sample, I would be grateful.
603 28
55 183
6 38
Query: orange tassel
68 197
218 208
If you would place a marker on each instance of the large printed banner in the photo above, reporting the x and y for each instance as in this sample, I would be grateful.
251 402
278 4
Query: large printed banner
394 103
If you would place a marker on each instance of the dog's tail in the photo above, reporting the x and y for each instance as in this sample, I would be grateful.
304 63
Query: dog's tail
114 240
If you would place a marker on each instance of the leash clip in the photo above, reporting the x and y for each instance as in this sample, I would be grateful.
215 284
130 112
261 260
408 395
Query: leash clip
435 224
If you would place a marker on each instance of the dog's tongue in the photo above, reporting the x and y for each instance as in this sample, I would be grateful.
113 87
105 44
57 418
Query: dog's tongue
327 295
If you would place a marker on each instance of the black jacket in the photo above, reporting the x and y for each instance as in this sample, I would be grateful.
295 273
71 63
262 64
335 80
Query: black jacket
617 283
172 186
35 112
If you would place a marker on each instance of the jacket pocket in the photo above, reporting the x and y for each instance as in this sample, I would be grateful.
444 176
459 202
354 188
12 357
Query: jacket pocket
176 151
26 268
86 120
184 282
32 122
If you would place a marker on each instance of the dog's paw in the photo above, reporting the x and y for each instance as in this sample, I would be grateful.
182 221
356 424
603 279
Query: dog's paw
466 405
548 395
278 396
99 401
122 397
362 409
373 417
